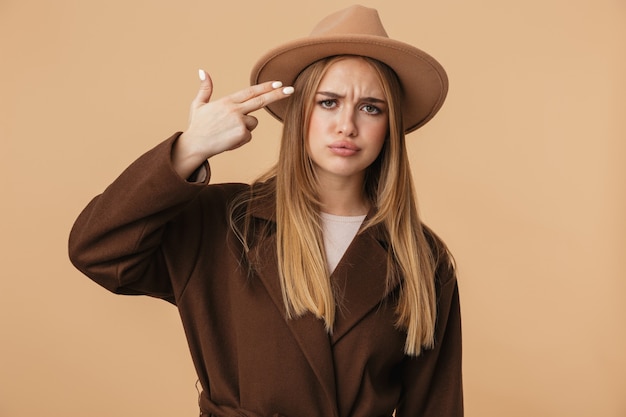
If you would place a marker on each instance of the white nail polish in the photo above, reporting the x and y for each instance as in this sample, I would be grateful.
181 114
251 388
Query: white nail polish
288 90
202 75
277 84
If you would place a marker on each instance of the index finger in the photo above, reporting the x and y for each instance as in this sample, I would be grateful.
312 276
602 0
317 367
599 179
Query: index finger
258 96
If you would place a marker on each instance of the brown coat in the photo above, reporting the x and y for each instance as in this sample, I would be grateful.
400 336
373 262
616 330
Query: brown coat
152 233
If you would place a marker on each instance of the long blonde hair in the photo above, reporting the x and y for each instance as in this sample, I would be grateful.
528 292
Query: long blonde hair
303 274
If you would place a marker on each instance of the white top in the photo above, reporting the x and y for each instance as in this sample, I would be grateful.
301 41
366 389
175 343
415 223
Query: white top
338 231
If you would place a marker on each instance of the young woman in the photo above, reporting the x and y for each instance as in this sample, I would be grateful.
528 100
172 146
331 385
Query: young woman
315 291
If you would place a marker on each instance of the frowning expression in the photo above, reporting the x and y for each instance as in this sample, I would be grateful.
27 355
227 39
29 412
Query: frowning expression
349 121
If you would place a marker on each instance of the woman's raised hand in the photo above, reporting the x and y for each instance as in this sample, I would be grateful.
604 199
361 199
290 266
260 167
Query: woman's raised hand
221 125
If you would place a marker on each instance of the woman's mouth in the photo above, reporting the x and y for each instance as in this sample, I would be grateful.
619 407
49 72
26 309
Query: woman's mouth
344 148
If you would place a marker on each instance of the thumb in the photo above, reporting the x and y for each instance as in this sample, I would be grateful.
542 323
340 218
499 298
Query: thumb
206 89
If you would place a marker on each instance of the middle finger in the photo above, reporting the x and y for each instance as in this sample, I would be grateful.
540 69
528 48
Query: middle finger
259 96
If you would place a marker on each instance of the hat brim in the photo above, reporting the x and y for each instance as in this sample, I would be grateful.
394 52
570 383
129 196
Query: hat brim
422 78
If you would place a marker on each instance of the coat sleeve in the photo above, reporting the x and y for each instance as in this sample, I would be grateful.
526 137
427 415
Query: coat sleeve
116 240
432 382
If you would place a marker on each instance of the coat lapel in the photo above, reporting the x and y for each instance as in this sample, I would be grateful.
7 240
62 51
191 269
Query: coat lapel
308 331
360 280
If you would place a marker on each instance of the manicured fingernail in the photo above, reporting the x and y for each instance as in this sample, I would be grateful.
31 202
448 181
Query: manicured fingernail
277 84
288 90
202 75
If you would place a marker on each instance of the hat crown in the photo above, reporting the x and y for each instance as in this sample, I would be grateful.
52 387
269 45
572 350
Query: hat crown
355 20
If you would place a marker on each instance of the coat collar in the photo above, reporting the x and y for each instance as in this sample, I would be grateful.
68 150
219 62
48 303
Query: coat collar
359 280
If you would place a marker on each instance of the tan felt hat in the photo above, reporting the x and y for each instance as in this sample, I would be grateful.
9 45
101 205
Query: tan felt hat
358 30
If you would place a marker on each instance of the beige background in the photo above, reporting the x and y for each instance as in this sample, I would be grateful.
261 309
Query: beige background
522 173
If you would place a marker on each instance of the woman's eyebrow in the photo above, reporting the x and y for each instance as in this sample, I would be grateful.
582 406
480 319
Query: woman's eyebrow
330 94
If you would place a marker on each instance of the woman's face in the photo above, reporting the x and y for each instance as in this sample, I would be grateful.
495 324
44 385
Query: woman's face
349 120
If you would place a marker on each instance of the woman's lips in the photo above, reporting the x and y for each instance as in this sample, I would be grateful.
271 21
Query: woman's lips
344 148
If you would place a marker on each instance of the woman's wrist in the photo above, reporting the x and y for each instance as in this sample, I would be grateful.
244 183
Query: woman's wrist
186 158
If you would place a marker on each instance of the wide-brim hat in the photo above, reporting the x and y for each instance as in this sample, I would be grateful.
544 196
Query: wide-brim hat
358 30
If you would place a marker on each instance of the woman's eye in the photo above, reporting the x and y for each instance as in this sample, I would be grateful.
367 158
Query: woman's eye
370 109
327 104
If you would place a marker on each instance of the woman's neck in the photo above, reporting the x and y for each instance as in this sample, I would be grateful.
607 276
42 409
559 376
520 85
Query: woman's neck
343 198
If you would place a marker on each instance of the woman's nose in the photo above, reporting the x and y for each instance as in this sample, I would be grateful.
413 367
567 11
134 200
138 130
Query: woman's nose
346 123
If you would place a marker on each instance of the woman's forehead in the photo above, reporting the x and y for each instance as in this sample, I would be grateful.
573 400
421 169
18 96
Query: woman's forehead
349 75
